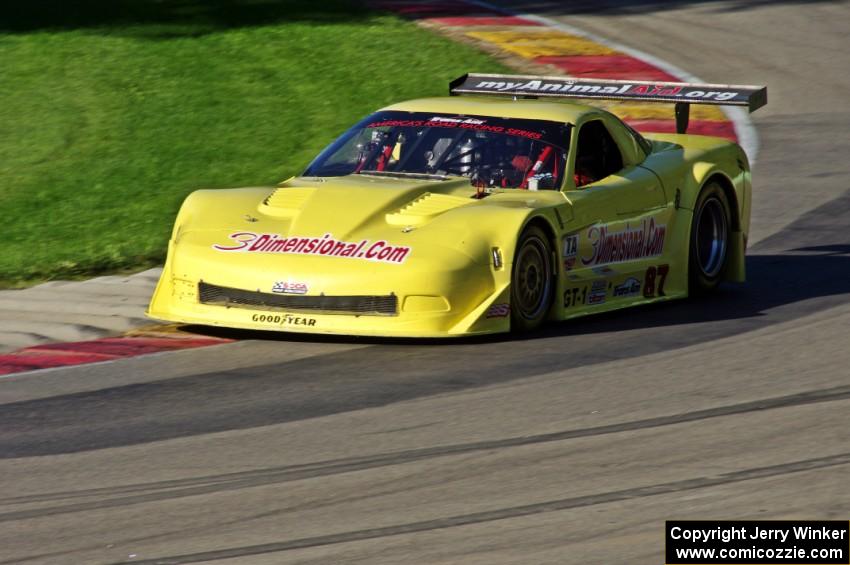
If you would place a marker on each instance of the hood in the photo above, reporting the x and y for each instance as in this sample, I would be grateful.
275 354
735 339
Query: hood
367 222
350 206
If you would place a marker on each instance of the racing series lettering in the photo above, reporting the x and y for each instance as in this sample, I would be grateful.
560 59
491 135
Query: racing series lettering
477 125
570 251
628 244
575 296
590 295
380 251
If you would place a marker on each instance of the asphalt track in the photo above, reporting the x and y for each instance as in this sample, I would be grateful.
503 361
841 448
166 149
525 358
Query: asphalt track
570 446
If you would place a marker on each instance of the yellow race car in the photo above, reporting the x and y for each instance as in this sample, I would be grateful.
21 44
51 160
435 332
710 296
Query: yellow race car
492 211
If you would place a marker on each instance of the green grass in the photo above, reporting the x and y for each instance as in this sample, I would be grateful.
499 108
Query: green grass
113 111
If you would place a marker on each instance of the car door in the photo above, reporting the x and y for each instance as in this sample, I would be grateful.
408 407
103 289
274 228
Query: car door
620 217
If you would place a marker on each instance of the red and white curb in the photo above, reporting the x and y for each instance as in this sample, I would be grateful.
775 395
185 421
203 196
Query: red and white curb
132 344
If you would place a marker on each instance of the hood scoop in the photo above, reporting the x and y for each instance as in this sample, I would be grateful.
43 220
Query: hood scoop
425 208
286 200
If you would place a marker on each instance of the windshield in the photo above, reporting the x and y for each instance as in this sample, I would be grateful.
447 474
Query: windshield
491 152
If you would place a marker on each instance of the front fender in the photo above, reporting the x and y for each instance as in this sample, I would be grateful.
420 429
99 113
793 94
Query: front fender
495 230
499 226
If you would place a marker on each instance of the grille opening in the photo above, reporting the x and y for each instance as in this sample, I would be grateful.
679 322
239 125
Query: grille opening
354 305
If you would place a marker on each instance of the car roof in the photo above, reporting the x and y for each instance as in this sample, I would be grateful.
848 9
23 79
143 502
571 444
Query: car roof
561 111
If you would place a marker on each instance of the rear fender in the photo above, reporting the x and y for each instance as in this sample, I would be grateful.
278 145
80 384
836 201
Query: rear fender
736 193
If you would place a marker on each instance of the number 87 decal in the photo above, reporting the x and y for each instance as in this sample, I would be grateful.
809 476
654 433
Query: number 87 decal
653 282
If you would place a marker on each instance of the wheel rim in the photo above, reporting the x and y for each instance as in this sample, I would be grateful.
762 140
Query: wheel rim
711 237
532 279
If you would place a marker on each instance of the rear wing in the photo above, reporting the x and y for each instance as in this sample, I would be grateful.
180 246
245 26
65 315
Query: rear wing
683 94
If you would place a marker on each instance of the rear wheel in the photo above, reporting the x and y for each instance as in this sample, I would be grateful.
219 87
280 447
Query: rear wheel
532 285
709 244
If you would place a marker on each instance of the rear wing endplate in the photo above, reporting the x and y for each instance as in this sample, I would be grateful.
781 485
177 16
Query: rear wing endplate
683 94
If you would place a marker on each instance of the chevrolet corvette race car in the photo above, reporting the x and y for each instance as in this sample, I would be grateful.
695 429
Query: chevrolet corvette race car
496 208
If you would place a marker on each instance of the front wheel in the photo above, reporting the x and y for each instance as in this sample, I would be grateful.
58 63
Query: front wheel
532 284
709 243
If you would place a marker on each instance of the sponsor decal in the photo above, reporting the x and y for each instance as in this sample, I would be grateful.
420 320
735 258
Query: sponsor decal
499 311
630 243
604 271
630 287
286 287
597 294
606 88
284 319
443 119
570 251
379 251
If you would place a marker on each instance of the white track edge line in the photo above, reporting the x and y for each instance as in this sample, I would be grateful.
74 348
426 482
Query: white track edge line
744 129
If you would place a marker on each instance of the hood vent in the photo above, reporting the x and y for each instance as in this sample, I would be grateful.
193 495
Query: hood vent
425 208
286 201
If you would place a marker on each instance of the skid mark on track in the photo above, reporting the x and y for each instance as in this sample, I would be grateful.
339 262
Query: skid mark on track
165 490
512 512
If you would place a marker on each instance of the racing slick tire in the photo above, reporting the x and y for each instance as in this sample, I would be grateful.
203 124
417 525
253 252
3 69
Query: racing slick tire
709 242
532 282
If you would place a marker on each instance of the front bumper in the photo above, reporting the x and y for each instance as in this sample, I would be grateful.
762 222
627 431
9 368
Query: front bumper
471 304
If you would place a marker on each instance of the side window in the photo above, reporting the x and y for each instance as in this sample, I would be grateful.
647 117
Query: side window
598 155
